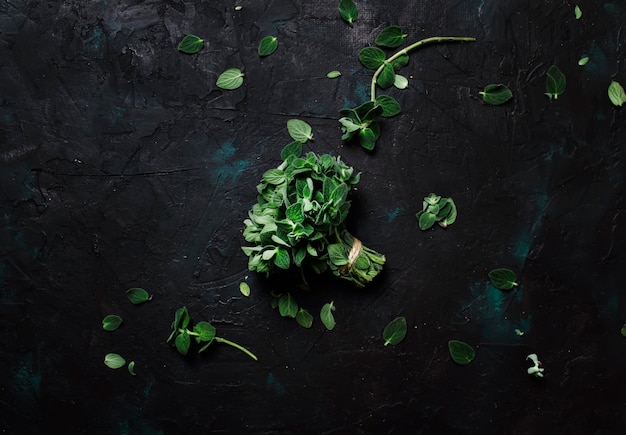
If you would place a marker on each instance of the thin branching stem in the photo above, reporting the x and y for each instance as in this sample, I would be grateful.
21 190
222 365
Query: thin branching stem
236 346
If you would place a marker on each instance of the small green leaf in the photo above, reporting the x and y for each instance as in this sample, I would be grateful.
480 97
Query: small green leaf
616 94
111 322
282 259
461 353
426 220
333 74
244 288
182 342
326 315
578 12
293 149
371 57
137 295
304 318
555 82
367 138
238 7
348 11
496 94
390 106
299 130
191 44
114 361
395 331
387 77
400 61
267 46
623 331
230 79
287 306
131 368
400 81
205 331
583 60
503 279
390 37
447 214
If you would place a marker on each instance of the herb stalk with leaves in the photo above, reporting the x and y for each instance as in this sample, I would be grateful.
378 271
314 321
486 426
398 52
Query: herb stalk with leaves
299 219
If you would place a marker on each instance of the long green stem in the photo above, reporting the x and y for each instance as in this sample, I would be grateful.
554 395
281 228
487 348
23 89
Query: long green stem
236 346
412 47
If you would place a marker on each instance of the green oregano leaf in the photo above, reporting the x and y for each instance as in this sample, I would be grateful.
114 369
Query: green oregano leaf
267 46
348 11
503 279
400 62
616 94
426 220
287 306
390 37
496 94
293 149
367 138
583 60
111 322
461 353
137 295
182 342
114 361
244 288
304 318
191 44
555 82
333 74
400 81
387 77
395 331
371 57
390 106
230 79
578 13
299 130
326 315
205 331
623 331
131 368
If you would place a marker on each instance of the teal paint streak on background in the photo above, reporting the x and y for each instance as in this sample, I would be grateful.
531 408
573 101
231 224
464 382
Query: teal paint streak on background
611 8
598 62
27 380
95 40
274 385
392 214
226 168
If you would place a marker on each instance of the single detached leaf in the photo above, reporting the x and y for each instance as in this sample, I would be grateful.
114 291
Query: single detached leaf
304 318
299 130
390 106
111 322
555 82
238 7
496 94
348 11
503 279
244 288
578 12
400 82
287 306
137 295
131 368
191 44
267 46
371 57
114 361
326 315
461 353
583 60
230 79
623 331
391 37
395 331
333 74
616 94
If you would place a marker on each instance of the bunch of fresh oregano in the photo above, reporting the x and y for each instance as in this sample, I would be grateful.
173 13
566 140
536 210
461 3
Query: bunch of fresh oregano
299 219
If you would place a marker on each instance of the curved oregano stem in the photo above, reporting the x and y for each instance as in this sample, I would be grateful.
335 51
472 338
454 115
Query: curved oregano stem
236 346
415 45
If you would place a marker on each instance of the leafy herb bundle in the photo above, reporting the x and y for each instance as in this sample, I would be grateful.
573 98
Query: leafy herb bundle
299 219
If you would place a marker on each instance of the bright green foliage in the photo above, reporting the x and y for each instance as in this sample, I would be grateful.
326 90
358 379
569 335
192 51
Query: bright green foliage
503 279
395 331
583 60
230 79
616 94
496 94
191 44
555 82
326 315
333 74
267 46
348 11
111 322
244 288
390 37
436 209
137 295
114 361
299 219
362 121
578 13
461 353
299 130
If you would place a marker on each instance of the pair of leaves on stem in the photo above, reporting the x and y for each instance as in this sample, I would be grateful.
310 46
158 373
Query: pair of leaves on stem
362 121
436 209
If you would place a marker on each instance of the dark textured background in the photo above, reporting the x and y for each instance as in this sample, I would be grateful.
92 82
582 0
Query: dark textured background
123 165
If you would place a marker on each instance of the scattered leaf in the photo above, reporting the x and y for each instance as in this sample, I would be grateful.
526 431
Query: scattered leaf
503 279
578 12
624 330
244 288
267 46
390 37
230 79
191 44
333 74
299 130
131 368
111 322
287 306
461 353
304 318
348 11
395 331
137 295
616 94
555 82
238 8
583 60
400 82
114 361
326 315
496 94
519 332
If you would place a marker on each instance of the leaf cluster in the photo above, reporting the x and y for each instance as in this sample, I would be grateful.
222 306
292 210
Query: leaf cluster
436 209
362 121
288 307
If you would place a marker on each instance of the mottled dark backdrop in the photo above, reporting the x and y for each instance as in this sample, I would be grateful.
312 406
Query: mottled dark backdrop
123 165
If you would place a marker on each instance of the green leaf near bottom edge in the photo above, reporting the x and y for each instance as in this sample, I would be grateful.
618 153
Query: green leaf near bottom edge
461 353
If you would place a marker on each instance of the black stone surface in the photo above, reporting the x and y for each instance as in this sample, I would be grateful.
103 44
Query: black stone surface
123 165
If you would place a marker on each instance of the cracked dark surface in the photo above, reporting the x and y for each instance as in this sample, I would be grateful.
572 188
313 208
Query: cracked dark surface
123 165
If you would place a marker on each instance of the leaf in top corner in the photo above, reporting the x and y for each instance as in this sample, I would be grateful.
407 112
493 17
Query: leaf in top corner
191 44
390 37
348 11
555 82
395 331
267 46
230 79
503 279
616 94
371 57
461 353
496 94
137 295
326 315
299 130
